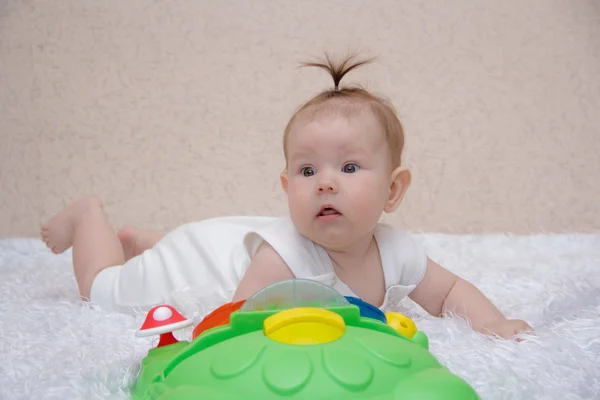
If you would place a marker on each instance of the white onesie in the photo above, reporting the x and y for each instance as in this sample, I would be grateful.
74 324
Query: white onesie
211 256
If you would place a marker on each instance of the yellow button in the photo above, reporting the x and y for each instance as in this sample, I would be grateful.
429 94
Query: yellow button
304 326
401 323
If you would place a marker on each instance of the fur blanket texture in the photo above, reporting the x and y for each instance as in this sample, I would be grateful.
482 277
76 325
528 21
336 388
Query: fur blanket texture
54 346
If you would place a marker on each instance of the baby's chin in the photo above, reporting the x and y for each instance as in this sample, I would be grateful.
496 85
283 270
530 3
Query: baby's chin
336 236
333 239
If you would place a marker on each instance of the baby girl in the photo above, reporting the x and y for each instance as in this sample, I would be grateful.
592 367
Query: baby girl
343 153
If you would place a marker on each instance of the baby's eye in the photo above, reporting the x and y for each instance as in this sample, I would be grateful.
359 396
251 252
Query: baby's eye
350 168
308 171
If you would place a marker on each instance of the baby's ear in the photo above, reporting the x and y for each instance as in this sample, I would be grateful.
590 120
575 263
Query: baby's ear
400 180
284 180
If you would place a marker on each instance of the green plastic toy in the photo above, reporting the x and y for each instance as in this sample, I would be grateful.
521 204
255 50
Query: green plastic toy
298 339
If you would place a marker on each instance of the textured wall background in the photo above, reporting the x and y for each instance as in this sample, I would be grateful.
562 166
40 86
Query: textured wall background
174 111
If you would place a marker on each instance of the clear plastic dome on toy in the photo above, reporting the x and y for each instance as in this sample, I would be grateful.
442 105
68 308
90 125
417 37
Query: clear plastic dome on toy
294 293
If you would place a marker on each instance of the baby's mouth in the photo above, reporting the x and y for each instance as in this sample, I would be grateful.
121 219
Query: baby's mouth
328 210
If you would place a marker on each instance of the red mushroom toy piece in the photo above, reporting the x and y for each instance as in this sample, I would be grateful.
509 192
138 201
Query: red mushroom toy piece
163 320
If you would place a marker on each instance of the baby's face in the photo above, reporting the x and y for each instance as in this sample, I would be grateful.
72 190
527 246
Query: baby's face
338 178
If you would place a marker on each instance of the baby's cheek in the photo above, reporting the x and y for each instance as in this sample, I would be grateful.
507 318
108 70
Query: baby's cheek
366 191
369 202
297 200
297 193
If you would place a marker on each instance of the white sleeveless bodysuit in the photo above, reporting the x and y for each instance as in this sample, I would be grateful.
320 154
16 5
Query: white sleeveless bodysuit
210 258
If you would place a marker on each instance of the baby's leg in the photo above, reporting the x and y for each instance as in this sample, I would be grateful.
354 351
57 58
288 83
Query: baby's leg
84 226
135 241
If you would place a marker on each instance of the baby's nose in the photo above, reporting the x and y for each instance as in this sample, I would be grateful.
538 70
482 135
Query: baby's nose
327 186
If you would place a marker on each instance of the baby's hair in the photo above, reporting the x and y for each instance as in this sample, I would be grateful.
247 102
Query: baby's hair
346 100
337 71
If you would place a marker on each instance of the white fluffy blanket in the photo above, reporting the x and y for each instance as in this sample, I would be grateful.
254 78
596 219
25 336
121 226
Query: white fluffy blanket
53 346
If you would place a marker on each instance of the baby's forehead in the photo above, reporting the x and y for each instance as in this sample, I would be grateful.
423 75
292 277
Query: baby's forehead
307 142
335 135
345 130
355 111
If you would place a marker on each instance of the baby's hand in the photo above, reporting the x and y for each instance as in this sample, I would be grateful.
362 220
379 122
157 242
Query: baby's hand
507 328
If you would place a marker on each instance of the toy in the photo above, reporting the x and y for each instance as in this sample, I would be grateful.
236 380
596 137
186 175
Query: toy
218 317
367 310
401 323
299 339
163 320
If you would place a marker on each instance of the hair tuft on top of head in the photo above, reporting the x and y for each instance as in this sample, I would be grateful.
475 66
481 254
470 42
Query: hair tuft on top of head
349 100
338 69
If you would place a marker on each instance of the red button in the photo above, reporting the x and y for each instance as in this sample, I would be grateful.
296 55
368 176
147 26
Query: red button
218 317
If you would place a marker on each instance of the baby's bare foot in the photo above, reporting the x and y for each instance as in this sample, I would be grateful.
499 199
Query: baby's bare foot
135 241
58 232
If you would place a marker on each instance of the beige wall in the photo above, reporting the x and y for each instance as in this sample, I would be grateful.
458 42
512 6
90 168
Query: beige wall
174 112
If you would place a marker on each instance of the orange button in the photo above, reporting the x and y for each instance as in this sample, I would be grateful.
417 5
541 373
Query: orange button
218 317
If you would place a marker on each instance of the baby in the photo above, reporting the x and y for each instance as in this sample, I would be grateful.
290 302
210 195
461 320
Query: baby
343 170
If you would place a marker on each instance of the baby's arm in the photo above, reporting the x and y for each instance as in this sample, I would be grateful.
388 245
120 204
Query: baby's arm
266 267
441 291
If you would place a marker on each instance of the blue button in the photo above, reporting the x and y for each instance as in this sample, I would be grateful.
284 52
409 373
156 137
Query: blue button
367 310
